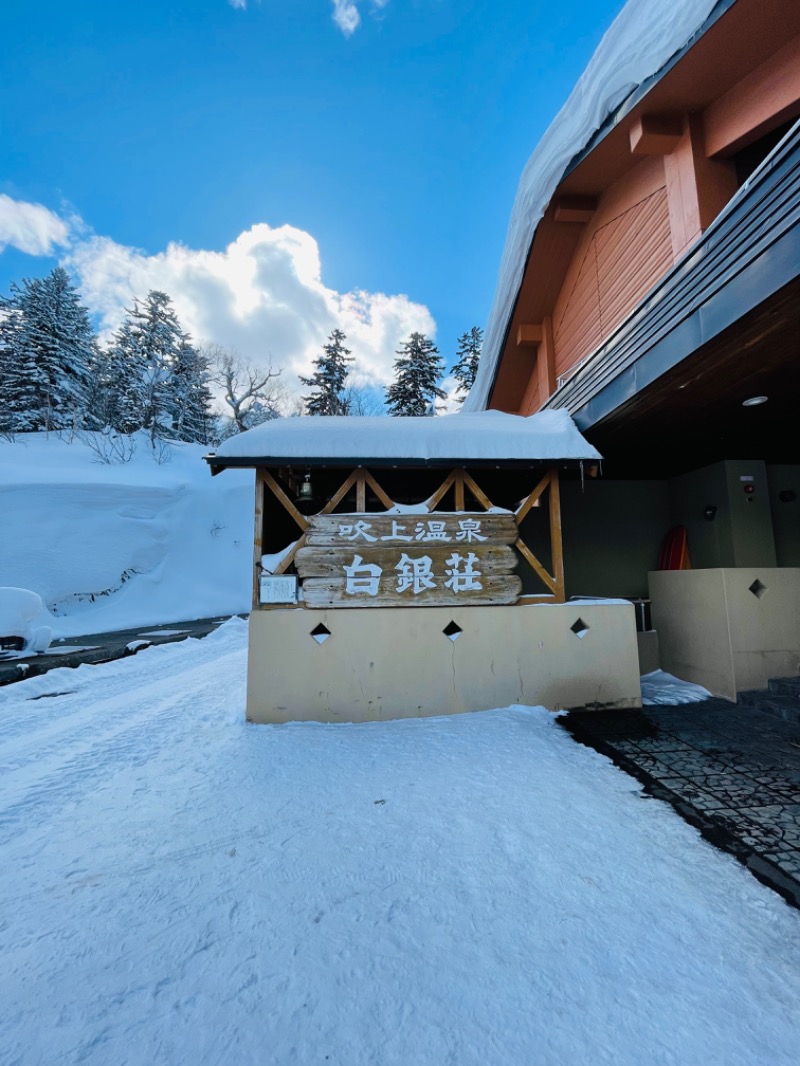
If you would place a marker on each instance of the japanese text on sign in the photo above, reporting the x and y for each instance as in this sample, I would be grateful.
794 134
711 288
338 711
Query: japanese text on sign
414 574
431 531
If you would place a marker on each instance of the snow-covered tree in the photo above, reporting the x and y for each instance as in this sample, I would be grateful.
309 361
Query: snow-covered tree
253 395
147 344
418 370
109 378
46 347
188 402
468 356
155 379
328 380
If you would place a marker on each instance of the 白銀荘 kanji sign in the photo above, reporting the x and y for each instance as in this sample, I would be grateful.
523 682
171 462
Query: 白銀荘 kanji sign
377 560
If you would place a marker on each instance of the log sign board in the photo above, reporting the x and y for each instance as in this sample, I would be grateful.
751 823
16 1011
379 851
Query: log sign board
367 560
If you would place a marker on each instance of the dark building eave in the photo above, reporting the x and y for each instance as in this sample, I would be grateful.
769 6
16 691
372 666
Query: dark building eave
272 462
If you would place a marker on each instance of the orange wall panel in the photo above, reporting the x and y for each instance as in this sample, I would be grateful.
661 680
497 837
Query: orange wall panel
576 322
633 252
614 267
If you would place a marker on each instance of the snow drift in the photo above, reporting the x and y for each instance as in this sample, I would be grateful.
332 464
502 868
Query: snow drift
19 608
111 545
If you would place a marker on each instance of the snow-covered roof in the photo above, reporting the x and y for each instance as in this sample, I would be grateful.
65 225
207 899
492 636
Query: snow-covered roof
486 436
637 45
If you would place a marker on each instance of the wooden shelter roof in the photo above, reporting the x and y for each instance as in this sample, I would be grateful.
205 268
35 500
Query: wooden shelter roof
487 438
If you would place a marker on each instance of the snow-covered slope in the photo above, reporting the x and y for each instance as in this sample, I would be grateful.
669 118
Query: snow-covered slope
108 546
640 41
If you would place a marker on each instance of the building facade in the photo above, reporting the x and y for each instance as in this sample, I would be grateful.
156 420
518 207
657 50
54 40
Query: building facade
659 304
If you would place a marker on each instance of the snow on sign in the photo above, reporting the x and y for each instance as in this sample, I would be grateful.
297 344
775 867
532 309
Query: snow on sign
412 561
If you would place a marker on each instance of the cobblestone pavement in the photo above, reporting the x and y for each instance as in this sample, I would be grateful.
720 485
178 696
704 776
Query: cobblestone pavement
731 771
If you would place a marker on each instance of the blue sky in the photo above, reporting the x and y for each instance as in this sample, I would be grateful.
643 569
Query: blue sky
392 149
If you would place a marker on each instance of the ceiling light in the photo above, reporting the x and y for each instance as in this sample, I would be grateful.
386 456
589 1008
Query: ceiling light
754 401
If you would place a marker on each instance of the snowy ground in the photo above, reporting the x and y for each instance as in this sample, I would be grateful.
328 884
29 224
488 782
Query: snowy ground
180 887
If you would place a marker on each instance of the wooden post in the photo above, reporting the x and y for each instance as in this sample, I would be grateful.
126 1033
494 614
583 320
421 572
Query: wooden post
459 491
361 492
556 543
258 534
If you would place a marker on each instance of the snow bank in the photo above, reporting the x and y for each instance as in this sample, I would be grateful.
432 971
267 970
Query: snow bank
659 687
478 889
18 610
107 546
485 435
640 41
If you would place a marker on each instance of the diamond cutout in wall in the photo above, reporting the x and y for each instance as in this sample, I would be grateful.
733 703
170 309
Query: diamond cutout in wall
758 588
320 633
452 631
580 628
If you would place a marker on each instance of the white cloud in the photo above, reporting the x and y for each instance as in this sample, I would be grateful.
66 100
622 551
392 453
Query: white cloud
262 295
30 228
345 13
346 16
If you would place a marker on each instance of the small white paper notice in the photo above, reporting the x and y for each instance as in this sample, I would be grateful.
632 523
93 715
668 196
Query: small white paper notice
280 588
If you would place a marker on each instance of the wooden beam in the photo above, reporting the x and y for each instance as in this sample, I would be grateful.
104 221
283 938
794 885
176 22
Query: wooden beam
756 104
546 361
288 559
656 134
529 336
556 543
278 492
477 492
373 484
526 553
340 494
530 500
574 208
258 535
441 491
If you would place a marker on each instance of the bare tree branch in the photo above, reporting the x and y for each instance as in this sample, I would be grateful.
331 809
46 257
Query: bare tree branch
246 389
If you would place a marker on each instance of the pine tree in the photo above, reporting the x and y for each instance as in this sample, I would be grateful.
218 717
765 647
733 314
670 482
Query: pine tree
47 345
468 356
188 395
417 372
109 371
155 377
329 378
18 400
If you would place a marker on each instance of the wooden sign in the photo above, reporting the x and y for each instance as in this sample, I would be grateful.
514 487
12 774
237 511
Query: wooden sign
362 530
409 561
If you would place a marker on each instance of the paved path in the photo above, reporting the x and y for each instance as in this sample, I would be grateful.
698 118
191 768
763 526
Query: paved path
103 647
732 771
